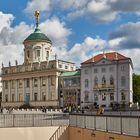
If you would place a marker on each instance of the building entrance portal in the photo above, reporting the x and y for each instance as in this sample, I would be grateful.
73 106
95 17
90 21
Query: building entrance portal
27 98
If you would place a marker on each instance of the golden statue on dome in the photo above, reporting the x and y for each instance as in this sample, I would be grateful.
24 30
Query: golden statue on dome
37 13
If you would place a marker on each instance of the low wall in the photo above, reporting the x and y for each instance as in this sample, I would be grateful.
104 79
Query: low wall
30 133
76 133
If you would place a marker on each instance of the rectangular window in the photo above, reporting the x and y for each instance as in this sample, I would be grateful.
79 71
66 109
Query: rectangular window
43 96
20 97
96 70
27 83
95 97
20 83
123 96
103 96
111 69
6 98
6 84
72 68
35 96
6 71
122 68
35 82
43 81
60 66
13 97
103 70
123 81
38 53
86 71
112 96
66 67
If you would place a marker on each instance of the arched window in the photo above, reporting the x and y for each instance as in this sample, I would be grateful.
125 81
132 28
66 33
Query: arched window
103 81
28 54
86 82
96 81
86 96
111 80
123 81
47 53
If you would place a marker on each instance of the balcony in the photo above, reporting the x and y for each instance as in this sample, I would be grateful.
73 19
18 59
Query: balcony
103 87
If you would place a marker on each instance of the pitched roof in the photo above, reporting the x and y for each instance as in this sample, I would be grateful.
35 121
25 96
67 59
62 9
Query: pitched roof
109 56
71 73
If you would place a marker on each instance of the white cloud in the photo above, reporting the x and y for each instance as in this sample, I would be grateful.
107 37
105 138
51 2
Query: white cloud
125 39
82 51
11 38
114 43
126 36
101 10
57 31
5 20
134 54
41 5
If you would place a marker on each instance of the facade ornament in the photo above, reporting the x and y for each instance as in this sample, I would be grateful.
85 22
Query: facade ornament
16 62
55 56
9 64
104 55
2 65
39 61
116 56
92 59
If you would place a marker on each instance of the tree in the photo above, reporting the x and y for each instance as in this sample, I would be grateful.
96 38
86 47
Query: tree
136 88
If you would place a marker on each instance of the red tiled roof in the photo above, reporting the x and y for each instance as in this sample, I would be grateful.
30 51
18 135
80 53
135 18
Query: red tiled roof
109 56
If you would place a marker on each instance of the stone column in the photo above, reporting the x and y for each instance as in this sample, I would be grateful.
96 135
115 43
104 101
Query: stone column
56 87
3 91
31 89
23 88
9 90
107 99
39 88
16 90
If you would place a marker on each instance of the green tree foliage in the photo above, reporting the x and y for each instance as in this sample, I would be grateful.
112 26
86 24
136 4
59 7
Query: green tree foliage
136 88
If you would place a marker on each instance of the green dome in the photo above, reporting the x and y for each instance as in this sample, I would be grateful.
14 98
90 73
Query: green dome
38 36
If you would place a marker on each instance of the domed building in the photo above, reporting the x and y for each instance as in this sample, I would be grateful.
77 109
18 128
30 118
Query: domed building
35 82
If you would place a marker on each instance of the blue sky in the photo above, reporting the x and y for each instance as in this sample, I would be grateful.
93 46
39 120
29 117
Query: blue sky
79 29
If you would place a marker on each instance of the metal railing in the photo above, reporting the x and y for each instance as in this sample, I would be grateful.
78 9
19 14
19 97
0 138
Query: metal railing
33 120
59 133
126 125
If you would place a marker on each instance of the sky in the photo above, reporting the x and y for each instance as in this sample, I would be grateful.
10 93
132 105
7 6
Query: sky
79 29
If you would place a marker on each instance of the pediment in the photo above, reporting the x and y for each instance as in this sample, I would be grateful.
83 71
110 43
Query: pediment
103 61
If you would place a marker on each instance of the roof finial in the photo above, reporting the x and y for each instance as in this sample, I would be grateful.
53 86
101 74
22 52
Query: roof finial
116 56
93 59
37 13
104 55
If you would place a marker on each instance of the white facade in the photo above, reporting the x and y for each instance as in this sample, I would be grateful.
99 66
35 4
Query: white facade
106 81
